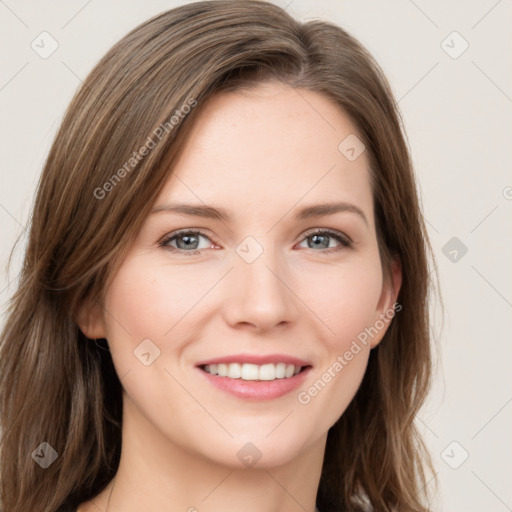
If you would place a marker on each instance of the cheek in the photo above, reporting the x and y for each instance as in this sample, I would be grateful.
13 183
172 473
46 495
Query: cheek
347 308
150 300
147 300
345 298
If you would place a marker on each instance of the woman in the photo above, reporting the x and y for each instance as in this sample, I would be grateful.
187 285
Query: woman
223 303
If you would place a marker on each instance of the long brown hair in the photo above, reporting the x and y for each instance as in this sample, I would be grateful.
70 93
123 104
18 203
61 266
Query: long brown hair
58 387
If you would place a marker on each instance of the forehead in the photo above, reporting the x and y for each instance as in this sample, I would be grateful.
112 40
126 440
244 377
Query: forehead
267 149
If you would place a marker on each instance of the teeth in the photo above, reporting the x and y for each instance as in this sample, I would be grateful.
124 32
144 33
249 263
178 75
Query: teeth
280 370
222 370
234 371
253 371
250 372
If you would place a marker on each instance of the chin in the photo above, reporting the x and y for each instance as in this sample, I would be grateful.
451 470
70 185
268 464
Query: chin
258 451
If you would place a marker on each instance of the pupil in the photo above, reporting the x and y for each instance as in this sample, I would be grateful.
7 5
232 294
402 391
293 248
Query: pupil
188 240
317 237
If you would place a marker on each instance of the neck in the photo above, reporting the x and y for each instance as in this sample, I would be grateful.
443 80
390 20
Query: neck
156 474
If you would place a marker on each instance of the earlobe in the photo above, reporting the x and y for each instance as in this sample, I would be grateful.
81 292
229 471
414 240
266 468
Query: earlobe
90 319
386 307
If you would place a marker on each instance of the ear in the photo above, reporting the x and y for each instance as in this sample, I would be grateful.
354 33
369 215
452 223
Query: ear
386 306
90 319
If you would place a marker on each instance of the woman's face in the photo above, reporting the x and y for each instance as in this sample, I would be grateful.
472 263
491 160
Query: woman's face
257 288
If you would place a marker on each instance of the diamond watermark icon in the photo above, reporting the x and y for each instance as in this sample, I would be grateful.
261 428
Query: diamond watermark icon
351 147
146 352
45 455
454 455
249 455
44 45
249 249
454 45
454 249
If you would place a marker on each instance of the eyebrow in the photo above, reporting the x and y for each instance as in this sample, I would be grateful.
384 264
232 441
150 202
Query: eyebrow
211 212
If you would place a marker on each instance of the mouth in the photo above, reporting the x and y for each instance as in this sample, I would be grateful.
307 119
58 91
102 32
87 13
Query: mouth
255 377
254 372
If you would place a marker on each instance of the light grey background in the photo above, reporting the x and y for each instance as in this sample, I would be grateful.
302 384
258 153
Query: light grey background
457 109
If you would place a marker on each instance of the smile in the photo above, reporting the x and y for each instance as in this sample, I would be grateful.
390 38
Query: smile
247 371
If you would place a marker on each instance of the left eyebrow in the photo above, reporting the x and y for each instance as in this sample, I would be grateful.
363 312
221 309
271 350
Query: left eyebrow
321 210
212 212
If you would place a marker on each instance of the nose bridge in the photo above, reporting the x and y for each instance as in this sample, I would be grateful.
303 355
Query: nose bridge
257 264
260 295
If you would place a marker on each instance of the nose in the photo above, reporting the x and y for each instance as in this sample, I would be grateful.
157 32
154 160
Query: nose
260 294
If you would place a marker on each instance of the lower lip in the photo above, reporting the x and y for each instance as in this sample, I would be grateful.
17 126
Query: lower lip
257 389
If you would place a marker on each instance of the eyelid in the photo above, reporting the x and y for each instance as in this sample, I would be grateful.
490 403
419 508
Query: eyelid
332 232
169 236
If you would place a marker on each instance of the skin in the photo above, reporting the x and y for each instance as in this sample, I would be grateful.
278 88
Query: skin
262 154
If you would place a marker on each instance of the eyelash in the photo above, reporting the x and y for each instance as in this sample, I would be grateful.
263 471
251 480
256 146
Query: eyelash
340 237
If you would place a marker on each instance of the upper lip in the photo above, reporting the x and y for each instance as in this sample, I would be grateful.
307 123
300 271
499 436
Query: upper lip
258 359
